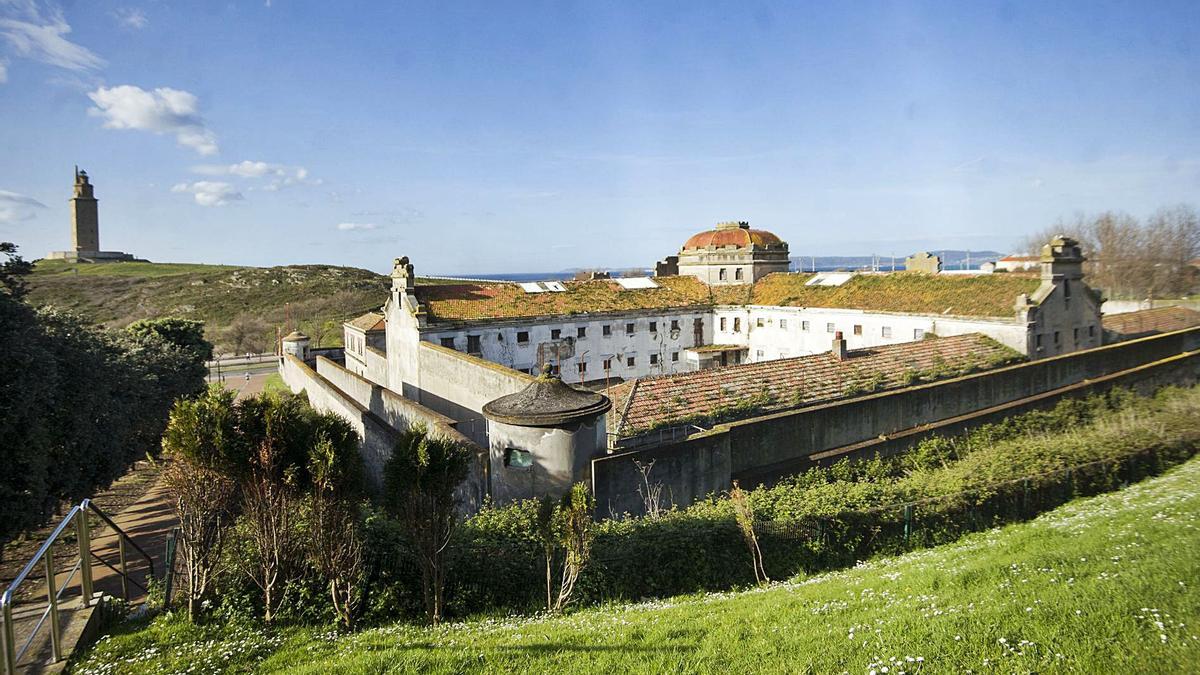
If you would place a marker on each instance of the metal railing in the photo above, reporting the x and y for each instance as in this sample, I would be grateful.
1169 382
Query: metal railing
12 654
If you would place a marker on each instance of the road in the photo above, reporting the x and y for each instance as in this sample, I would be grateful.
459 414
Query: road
233 375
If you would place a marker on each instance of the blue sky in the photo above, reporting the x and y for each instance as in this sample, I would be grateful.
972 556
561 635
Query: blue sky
502 137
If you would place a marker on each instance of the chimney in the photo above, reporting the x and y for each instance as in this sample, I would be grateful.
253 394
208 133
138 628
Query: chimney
839 346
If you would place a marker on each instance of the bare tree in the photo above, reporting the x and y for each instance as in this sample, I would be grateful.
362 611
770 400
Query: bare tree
269 510
651 493
335 545
576 534
744 514
204 501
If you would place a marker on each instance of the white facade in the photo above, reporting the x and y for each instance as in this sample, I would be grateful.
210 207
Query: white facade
781 332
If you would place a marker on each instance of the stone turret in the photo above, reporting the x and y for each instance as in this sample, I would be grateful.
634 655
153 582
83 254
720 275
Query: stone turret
543 438
1062 258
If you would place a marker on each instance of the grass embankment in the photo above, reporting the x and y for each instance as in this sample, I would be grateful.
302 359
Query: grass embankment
241 306
1105 584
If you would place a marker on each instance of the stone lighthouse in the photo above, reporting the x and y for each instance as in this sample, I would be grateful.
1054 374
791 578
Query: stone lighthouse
85 215
85 226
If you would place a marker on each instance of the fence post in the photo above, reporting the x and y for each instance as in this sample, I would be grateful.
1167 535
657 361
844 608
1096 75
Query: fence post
83 533
52 595
124 572
1024 497
9 639
169 562
907 521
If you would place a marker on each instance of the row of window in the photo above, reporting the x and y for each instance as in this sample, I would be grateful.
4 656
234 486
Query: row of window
885 331
1058 337
723 275
474 342
607 364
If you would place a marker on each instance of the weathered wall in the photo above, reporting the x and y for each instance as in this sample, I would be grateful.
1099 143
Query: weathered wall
377 436
688 471
458 385
787 440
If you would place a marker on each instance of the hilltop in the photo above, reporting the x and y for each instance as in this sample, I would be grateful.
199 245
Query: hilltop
241 306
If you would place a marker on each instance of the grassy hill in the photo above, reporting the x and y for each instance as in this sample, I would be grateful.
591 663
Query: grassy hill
1106 584
241 306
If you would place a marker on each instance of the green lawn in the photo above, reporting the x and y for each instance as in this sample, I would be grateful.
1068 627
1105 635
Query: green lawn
1103 585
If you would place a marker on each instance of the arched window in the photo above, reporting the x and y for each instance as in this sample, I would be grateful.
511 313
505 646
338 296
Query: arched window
721 274
737 274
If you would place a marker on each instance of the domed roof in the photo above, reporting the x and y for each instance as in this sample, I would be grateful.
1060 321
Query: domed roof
547 401
733 234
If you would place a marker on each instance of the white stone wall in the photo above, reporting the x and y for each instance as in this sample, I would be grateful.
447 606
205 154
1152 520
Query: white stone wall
654 346
783 332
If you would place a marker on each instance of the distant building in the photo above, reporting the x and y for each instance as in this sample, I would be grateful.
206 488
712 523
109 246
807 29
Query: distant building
85 227
1018 263
732 253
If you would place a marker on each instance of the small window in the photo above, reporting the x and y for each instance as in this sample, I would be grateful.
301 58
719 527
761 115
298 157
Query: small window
555 333
918 333
829 328
517 459
499 337
473 346
522 337
674 324
804 326
783 324
1037 341
608 364
654 359
886 331
760 355
1075 334
722 323
555 370
631 361
674 357
653 326
758 323
448 342
630 328
581 332
1091 331
858 329
737 325
606 330
737 274
721 274
1057 338
582 365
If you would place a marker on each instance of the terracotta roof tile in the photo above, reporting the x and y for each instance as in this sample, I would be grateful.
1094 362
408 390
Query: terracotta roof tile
1144 322
707 397
371 321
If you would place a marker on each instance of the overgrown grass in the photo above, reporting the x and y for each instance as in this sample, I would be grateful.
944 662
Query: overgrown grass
1105 584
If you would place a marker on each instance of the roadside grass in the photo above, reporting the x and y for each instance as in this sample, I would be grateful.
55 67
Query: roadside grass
1104 584
274 385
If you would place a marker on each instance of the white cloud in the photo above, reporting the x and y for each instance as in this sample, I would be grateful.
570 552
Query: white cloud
281 175
162 111
41 36
3 71
17 207
210 193
347 227
131 17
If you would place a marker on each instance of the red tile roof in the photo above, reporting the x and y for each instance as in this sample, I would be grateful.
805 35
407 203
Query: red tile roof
369 322
739 237
1141 323
707 397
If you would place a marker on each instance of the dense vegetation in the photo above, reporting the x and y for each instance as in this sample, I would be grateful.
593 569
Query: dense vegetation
78 404
1107 584
241 306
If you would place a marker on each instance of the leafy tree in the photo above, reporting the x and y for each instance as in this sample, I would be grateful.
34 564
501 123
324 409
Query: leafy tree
184 333
13 271
420 480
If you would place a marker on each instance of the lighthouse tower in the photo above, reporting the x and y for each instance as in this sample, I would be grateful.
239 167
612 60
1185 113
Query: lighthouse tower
85 227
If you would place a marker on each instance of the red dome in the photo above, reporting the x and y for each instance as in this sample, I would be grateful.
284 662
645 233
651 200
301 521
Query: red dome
733 234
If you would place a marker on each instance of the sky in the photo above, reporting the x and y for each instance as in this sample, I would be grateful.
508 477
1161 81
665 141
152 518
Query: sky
498 137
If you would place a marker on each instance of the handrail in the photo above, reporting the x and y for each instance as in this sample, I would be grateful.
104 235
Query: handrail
10 655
